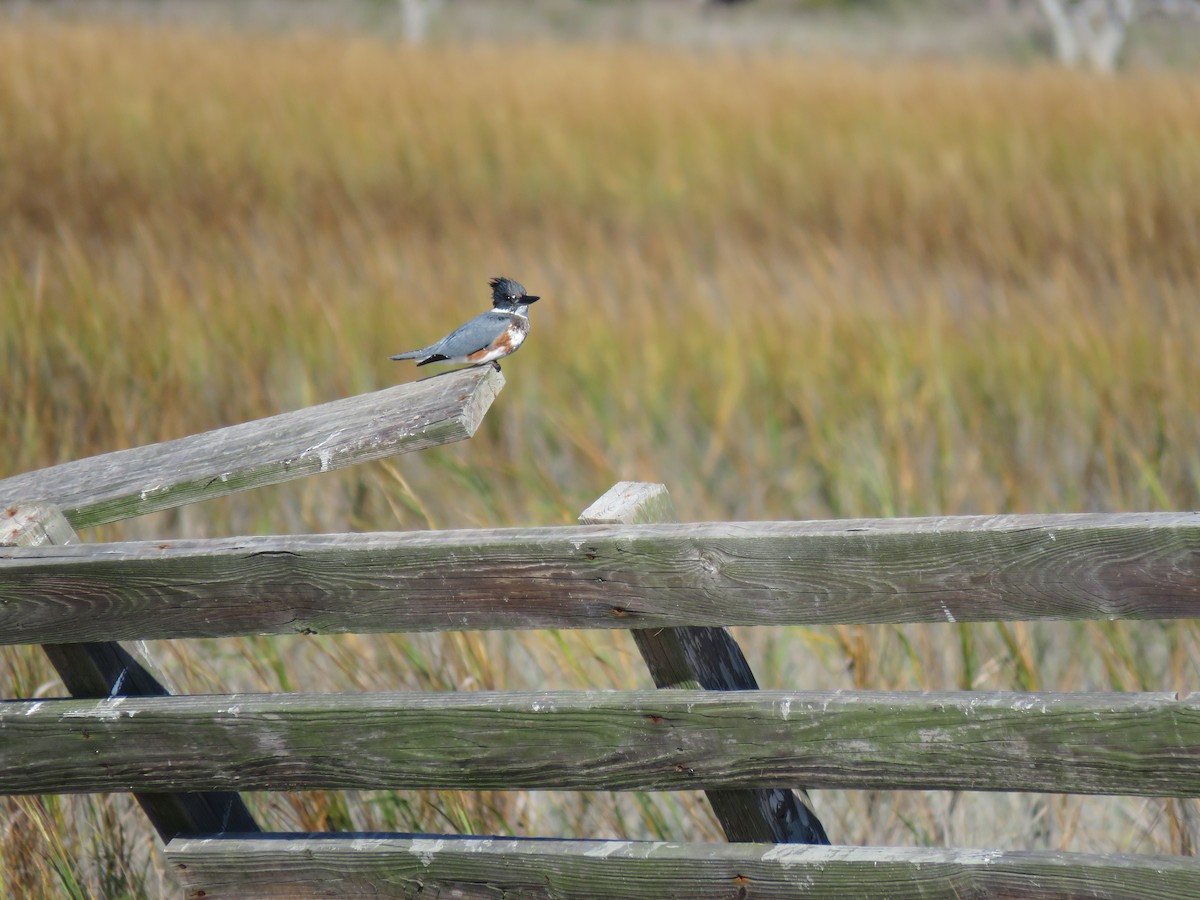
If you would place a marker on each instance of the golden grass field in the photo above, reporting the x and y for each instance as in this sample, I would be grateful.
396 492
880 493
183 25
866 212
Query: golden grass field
787 289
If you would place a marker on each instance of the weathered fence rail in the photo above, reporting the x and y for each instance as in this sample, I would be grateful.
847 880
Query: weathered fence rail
627 566
1133 744
371 864
968 569
321 438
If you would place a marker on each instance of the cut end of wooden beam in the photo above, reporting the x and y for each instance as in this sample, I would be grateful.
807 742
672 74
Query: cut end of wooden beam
34 525
631 503
480 401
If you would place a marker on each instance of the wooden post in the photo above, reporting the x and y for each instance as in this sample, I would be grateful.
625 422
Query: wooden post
708 658
96 670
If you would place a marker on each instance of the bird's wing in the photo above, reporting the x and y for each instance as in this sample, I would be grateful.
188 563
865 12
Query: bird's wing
480 332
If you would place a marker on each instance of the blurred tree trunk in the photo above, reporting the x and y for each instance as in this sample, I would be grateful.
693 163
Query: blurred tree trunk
416 15
1093 32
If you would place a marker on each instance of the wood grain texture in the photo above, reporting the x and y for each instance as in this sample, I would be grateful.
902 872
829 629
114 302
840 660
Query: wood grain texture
1135 744
320 438
107 669
610 576
707 658
380 865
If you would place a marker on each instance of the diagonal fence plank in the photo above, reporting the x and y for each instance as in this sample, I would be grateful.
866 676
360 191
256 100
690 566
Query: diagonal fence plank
95 670
321 438
650 740
710 659
962 569
391 865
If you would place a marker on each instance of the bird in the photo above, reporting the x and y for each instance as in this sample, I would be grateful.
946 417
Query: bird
488 337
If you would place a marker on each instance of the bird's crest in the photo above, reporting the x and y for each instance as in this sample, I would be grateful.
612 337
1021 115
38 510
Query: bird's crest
505 291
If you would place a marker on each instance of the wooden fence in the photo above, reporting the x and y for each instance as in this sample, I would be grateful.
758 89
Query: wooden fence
626 566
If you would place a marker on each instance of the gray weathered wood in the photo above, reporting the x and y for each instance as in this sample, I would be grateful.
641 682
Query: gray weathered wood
94 670
1137 744
707 658
631 503
34 525
381 865
320 438
1140 566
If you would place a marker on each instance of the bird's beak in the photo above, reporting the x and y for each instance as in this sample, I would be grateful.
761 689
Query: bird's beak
529 299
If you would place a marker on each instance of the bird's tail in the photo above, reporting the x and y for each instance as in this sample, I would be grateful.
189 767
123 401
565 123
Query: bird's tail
412 354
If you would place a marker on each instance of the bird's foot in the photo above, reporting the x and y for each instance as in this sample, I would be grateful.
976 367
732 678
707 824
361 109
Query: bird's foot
496 364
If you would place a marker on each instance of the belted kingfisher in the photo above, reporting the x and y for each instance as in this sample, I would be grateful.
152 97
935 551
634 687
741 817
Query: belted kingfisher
489 336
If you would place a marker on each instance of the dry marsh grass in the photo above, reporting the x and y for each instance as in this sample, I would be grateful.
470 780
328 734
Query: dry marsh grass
786 289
